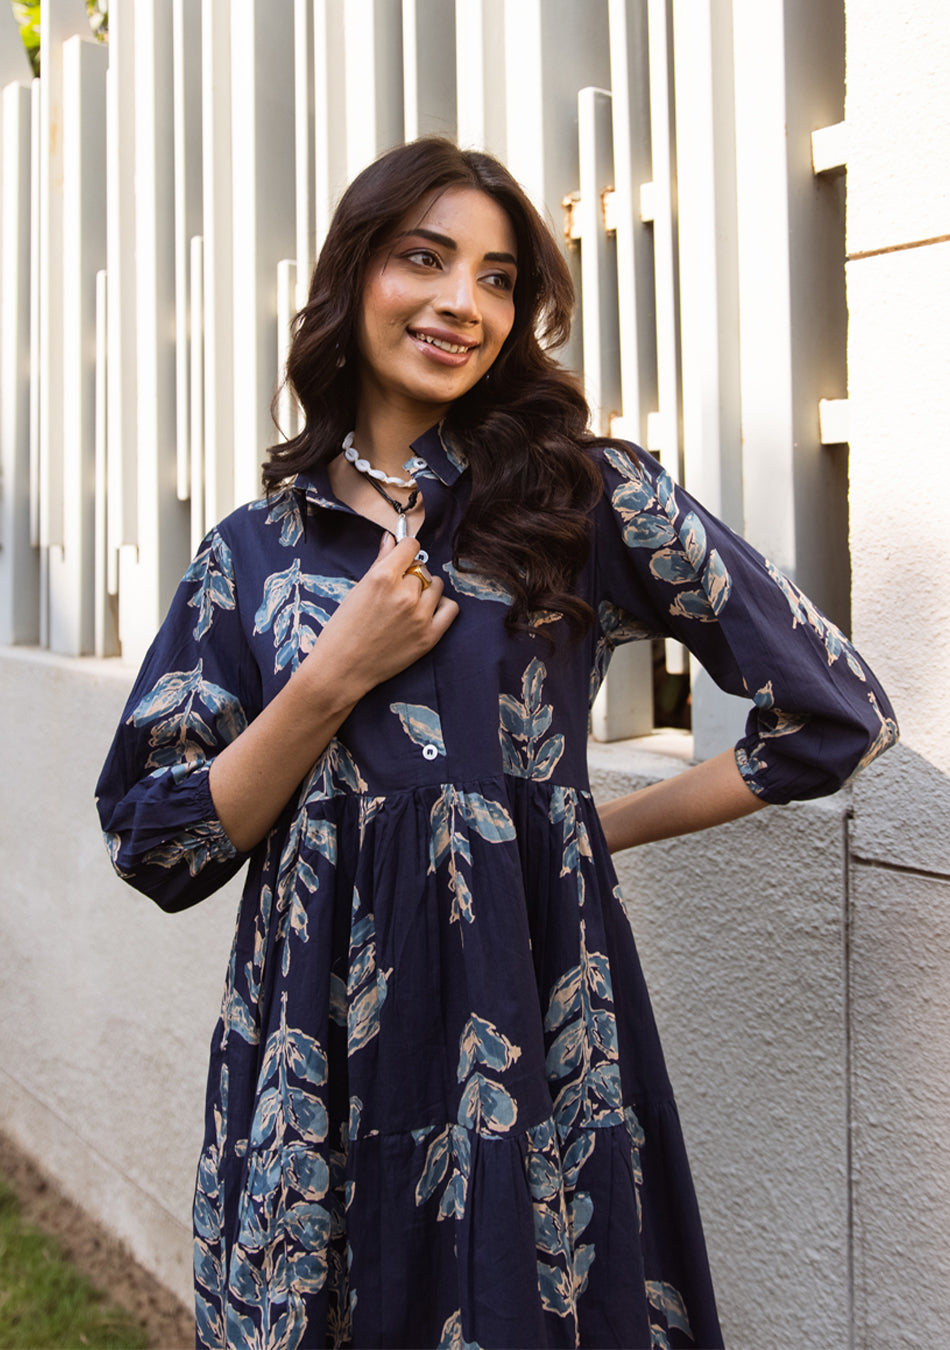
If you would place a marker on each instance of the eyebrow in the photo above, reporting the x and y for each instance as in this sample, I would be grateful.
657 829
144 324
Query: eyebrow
421 232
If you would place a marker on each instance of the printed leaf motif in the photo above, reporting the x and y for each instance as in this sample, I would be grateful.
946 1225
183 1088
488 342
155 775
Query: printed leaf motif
181 736
692 605
448 1160
669 564
482 1043
716 582
669 1302
584 1051
804 612
887 735
693 538
523 725
651 532
290 1054
213 569
335 772
471 583
561 1274
563 810
283 509
448 841
487 1106
367 985
294 618
452 1338
422 725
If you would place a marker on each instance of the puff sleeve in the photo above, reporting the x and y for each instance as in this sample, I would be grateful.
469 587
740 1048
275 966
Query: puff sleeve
196 691
666 566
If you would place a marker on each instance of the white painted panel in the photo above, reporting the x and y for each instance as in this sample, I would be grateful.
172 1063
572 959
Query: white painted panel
217 209
122 460
14 62
19 559
288 409
480 62
59 20
162 517
305 163
196 355
36 174
630 86
793 321
709 310
186 63
552 49
330 136
374 79
762 221
106 610
263 222
666 429
72 564
428 37
599 319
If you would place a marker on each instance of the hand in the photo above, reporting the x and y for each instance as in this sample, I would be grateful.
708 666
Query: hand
385 623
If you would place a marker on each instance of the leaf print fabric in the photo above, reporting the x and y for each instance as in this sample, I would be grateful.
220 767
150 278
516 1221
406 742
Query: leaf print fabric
437 1110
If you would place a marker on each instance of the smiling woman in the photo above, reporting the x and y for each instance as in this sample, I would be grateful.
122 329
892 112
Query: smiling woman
438 1113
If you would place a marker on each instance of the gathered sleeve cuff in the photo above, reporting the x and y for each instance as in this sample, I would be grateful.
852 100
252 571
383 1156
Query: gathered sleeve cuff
666 566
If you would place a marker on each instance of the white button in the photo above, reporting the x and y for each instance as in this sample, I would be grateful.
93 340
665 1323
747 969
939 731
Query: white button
422 556
430 752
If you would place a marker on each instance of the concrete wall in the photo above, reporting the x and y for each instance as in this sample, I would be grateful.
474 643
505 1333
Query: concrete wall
107 1005
898 120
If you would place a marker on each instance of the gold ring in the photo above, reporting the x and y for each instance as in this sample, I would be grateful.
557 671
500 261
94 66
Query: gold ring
417 570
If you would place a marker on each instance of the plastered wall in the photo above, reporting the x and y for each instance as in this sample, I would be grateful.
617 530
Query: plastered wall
898 273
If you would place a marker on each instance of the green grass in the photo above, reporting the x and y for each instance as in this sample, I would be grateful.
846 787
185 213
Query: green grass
45 1304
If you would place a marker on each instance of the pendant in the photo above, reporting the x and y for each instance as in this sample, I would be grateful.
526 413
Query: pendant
401 528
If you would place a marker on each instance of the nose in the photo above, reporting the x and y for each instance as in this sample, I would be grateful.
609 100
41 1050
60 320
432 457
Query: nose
458 296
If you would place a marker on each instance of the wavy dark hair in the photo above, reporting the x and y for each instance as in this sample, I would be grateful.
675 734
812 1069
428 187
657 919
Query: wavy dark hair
524 430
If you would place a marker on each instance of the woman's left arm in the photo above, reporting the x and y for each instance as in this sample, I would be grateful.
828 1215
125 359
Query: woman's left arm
710 793
666 567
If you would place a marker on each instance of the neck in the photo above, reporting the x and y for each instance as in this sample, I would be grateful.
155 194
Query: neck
386 440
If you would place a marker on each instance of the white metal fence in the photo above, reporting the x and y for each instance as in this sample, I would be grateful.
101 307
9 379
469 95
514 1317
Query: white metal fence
162 203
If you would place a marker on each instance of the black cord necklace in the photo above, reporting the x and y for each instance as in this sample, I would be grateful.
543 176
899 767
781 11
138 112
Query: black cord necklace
402 510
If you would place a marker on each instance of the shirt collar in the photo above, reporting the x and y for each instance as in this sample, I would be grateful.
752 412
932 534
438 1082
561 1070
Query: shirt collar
444 459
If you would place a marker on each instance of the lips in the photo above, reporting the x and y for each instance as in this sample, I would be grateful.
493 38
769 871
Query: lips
442 343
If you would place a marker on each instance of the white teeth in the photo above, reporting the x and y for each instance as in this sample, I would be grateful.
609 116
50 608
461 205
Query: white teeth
452 347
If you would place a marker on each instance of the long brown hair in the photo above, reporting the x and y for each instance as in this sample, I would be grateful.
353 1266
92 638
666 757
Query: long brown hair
523 430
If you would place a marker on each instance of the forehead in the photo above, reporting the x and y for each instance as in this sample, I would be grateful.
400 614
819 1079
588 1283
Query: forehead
467 216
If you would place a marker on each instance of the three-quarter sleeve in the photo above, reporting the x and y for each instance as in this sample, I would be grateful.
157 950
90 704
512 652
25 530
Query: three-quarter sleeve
196 691
666 566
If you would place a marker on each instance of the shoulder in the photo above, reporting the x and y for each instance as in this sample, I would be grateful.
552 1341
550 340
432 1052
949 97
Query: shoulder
273 520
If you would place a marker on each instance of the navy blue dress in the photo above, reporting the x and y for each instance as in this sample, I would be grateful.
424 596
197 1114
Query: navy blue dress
438 1113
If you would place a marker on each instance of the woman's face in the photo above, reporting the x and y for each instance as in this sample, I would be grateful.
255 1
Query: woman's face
438 303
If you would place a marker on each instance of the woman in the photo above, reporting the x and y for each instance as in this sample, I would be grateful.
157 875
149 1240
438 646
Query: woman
437 1107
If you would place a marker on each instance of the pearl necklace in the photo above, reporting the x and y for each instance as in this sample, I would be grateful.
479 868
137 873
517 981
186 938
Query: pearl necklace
376 478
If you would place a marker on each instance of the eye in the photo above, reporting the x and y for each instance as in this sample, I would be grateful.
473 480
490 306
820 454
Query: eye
423 257
502 280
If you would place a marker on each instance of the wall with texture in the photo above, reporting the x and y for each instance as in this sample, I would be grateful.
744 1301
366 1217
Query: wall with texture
898 120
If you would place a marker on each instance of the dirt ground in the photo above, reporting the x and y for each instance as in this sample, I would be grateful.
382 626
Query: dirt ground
96 1253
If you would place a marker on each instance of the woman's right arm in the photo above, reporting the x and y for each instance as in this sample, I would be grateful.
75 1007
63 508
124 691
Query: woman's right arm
384 624
199 769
